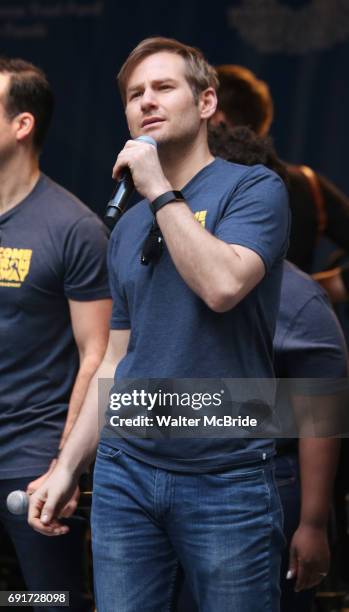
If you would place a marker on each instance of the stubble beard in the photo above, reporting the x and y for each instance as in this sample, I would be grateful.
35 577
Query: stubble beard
178 143
7 154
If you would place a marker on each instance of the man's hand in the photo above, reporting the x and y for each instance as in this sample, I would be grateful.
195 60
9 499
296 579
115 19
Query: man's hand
309 556
71 506
35 484
143 162
56 498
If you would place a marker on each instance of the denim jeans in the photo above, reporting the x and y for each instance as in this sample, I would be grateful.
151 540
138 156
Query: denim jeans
288 481
49 563
224 529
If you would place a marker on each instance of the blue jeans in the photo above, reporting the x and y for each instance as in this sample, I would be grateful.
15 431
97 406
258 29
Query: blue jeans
224 529
49 563
288 481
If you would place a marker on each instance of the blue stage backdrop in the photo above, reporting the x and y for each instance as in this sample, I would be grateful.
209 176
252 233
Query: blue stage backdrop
301 47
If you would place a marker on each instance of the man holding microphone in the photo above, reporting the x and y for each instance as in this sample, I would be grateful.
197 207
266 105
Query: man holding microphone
204 307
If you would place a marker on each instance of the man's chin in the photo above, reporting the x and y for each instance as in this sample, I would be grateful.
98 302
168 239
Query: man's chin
156 133
164 139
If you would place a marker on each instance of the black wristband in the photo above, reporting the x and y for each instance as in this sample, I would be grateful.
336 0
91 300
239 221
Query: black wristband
166 198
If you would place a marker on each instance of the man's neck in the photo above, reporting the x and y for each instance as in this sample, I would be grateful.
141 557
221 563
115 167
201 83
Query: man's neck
18 177
180 166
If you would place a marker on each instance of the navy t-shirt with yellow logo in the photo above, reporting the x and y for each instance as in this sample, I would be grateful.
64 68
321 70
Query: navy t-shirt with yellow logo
174 335
52 250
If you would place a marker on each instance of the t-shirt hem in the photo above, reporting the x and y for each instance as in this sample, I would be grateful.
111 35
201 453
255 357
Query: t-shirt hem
120 325
198 466
32 471
87 296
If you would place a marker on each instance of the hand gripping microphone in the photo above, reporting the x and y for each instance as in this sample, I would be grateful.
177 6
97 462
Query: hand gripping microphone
123 193
17 502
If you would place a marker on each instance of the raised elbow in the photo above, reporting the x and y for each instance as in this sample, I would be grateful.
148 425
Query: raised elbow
222 300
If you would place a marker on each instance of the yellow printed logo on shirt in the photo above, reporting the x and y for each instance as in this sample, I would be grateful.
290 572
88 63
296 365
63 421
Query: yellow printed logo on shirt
200 215
14 266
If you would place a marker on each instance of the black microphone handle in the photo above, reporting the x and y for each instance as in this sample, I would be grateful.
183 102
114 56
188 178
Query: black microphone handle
123 192
119 199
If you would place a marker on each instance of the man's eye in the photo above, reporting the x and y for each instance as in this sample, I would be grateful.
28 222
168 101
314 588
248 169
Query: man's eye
134 95
164 87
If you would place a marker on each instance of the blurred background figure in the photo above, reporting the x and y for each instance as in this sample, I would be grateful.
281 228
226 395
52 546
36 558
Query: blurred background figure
239 132
318 206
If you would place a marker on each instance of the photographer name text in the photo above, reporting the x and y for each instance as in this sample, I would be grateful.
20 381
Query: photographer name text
182 421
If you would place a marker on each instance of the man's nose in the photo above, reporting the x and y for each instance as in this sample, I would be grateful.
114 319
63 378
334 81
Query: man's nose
149 99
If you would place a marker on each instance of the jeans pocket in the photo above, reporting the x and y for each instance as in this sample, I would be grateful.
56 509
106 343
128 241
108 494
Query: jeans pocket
240 474
108 452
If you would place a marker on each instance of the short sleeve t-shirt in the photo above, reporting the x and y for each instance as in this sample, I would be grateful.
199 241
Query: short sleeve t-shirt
174 335
52 249
308 342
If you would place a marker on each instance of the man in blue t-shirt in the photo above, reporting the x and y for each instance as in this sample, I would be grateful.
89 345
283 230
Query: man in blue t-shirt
309 345
205 308
54 315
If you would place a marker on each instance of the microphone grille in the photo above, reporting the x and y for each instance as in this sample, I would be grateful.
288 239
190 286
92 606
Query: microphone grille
147 139
17 502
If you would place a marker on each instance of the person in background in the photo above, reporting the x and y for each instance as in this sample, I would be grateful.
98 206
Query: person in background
308 344
318 207
308 341
54 317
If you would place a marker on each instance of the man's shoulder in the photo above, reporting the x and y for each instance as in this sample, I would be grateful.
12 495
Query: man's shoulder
298 288
243 170
61 203
243 179
308 335
62 216
303 303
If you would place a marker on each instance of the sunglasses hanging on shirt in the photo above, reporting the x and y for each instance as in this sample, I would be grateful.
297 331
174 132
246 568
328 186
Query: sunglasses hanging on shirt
153 245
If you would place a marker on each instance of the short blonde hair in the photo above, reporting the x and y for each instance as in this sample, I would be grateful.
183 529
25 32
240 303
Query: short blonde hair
198 72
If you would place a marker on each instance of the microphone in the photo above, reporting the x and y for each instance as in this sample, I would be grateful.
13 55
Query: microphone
17 502
123 193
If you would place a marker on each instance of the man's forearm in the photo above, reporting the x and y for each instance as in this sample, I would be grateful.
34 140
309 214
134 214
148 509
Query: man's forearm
87 369
209 266
80 447
318 465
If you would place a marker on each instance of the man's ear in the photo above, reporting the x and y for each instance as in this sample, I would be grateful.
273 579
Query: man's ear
24 126
207 103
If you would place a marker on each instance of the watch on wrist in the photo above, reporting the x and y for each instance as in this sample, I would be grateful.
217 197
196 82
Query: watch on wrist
166 198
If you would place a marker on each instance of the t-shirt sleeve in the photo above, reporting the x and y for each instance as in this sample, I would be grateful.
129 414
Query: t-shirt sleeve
85 267
120 318
314 350
257 215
